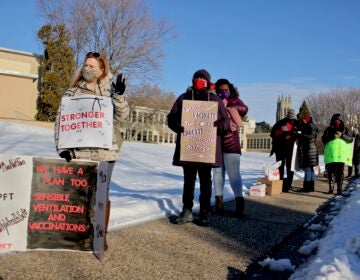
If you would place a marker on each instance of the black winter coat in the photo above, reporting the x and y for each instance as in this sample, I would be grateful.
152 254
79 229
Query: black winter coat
174 123
284 134
231 141
356 154
307 149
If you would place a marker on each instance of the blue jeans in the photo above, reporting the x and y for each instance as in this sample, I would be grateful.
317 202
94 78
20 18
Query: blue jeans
309 174
232 167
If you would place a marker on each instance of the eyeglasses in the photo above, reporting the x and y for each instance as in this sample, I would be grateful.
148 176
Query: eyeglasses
92 54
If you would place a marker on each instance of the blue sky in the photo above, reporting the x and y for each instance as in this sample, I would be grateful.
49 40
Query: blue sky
266 48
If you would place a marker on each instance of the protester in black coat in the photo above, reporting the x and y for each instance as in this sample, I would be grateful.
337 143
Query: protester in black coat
308 151
199 91
283 134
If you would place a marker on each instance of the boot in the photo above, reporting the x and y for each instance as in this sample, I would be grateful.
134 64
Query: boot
239 208
311 186
285 187
203 218
306 186
219 205
185 217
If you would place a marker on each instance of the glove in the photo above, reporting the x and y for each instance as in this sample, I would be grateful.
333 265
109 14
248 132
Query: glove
120 84
218 123
66 155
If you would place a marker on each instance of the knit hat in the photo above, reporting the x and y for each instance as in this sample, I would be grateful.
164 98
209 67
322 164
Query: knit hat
202 73
291 114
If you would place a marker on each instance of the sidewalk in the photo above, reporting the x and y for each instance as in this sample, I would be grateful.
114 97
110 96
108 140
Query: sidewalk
228 249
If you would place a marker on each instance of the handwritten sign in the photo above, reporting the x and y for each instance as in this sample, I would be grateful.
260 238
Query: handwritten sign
51 204
86 121
198 142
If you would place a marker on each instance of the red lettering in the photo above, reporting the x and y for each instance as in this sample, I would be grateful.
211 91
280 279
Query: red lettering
57 217
79 182
5 245
41 169
57 226
52 196
54 181
63 170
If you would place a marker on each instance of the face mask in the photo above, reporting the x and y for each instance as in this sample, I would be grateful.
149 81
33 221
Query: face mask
89 74
224 94
199 83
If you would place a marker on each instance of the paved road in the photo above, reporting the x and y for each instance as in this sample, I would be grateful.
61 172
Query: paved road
228 249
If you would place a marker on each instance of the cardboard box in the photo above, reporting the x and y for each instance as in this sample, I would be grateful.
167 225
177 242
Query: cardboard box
273 187
258 190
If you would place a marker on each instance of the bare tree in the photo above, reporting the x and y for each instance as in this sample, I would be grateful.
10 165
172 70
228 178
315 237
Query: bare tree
343 101
148 109
121 29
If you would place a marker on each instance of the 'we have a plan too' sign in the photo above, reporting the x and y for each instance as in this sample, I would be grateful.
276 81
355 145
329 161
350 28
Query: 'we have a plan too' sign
47 203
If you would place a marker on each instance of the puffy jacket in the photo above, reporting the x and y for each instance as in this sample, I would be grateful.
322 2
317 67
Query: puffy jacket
121 112
174 123
308 151
231 140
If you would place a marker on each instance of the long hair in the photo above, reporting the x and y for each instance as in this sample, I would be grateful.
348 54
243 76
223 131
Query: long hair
233 90
103 63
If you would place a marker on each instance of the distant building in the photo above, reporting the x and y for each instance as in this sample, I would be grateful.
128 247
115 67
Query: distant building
283 106
19 72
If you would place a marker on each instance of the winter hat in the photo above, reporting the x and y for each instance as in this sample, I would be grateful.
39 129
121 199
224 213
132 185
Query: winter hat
335 117
291 114
202 73
306 118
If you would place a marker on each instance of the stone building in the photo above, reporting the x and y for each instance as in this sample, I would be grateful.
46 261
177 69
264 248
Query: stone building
283 106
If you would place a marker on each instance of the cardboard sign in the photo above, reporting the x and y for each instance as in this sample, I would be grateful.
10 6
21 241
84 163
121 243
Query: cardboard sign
47 203
198 142
86 121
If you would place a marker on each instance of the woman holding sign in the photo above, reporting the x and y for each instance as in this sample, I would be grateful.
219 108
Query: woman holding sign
198 144
88 120
231 148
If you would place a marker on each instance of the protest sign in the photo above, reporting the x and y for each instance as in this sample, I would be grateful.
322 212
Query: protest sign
86 121
198 141
51 204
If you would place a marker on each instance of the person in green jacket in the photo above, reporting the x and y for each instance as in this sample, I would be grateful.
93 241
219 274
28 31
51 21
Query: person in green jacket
337 152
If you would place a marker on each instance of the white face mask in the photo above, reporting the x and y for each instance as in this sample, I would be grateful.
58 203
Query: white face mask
89 74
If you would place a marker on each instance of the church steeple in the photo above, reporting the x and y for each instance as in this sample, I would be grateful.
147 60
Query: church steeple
283 106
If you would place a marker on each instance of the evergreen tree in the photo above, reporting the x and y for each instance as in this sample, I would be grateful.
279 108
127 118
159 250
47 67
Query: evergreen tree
304 110
56 68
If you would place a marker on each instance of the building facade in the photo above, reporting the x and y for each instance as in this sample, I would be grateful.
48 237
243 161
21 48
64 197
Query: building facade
19 72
